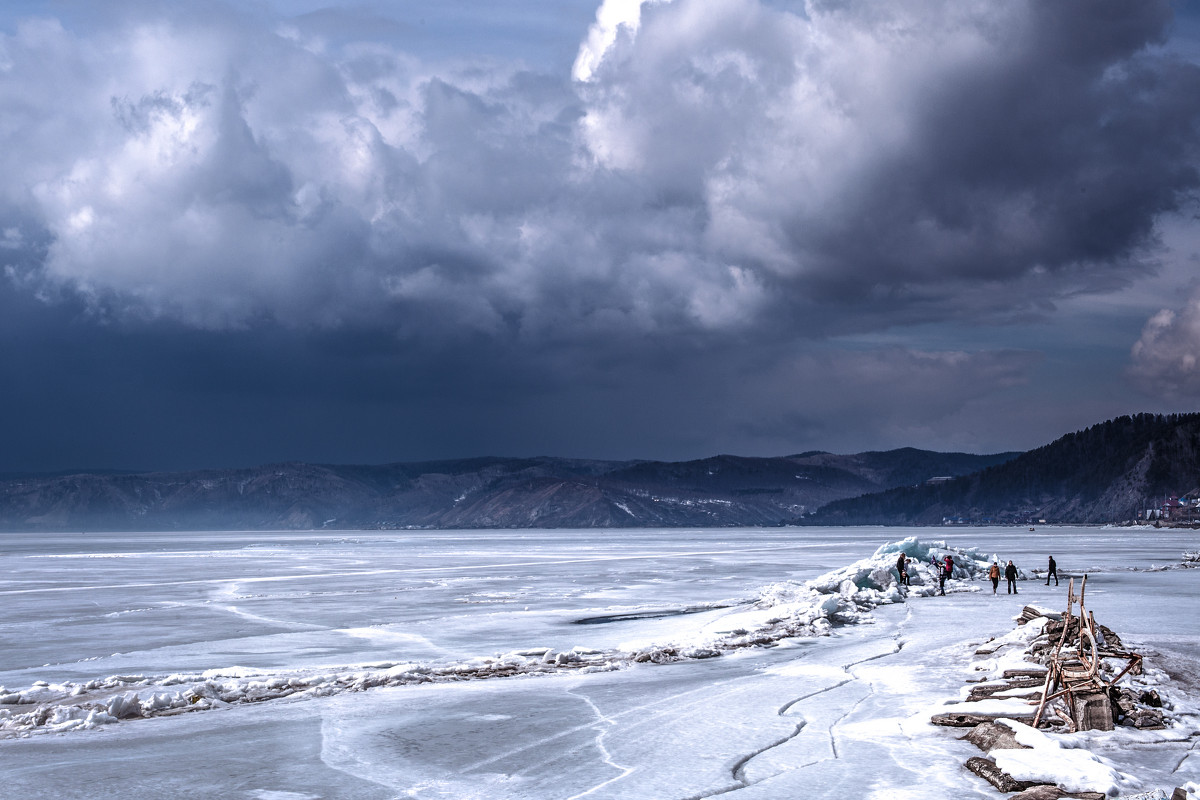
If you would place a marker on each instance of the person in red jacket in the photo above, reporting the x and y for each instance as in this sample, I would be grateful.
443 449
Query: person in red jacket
947 571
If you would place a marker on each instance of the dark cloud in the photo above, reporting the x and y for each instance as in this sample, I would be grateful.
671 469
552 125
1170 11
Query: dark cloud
315 233
926 159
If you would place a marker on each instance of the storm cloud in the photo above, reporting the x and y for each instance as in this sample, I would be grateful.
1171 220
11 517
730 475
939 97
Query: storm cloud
717 193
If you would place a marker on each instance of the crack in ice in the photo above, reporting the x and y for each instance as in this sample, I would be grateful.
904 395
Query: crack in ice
739 769
640 710
605 755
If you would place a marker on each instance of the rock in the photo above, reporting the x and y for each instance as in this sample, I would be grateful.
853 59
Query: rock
987 769
990 736
1109 638
1093 712
1123 700
1130 709
1146 719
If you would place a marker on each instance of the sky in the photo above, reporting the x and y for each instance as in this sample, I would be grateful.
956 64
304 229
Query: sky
239 233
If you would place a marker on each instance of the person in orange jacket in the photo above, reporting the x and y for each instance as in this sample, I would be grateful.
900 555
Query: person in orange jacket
994 574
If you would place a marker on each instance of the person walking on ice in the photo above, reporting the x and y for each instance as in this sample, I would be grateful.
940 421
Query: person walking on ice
1010 574
994 574
902 568
1052 571
945 572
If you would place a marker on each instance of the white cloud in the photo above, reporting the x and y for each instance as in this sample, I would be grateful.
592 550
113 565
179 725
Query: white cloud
1166 359
717 165
611 17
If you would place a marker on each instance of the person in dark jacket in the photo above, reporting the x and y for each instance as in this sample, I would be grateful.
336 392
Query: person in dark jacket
902 568
946 571
1010 574
1053 571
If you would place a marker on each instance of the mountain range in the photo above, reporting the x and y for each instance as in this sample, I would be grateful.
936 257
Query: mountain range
1110 472
471 493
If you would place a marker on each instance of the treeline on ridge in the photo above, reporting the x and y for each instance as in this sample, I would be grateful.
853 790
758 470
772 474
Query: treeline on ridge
1106 473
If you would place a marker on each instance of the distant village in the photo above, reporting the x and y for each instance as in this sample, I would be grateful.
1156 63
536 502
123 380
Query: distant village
1175 511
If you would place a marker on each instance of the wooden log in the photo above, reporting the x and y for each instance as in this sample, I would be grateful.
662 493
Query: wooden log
985 690
1029 613
1033 681
1031 696
990 736
1026 673
1050 792
962 720
987 769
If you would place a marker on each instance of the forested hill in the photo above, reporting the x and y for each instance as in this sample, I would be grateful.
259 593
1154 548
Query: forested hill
1106 473
470 493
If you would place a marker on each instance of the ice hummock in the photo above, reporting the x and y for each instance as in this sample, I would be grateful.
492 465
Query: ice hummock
781 611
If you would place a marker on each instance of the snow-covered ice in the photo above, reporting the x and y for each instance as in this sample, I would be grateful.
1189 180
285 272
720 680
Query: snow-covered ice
762 663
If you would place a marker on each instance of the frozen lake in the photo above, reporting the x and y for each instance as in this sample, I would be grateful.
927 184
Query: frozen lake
94 616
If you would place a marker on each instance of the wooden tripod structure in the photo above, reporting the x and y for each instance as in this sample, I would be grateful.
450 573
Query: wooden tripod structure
1074 671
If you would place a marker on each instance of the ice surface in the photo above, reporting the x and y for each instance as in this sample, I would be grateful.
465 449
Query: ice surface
621 664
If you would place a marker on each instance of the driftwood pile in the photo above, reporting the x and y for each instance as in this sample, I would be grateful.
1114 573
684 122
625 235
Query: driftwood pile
1070 684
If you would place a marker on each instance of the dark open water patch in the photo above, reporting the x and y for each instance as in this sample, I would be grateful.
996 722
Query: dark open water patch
674 612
